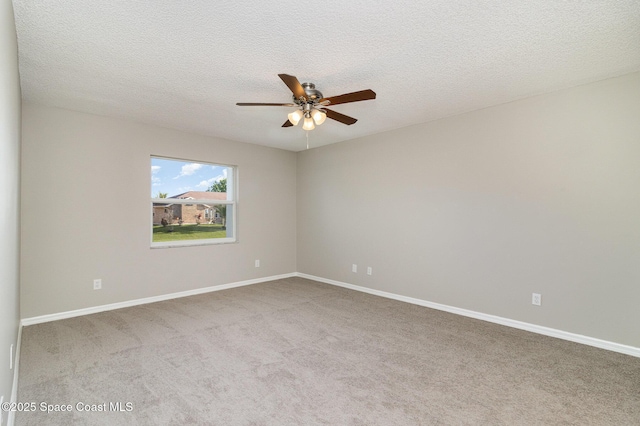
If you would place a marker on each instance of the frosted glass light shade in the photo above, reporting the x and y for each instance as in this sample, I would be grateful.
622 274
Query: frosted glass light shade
318 116
308 124
295 117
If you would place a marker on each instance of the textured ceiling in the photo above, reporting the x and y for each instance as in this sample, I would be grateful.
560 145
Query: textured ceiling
184 64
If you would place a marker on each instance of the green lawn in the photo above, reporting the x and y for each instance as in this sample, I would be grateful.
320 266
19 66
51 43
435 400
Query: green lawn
187 232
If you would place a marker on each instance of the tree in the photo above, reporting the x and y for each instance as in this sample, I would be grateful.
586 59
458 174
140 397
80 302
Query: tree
162 194
222 211
218 186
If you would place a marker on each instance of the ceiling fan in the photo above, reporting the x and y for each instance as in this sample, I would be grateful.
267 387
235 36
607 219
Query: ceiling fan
312 105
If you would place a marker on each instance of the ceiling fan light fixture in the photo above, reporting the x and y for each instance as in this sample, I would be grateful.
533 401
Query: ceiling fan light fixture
318 116
311 104
308 124
295 117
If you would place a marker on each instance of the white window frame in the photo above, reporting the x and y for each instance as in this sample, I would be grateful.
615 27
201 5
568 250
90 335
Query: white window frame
232 192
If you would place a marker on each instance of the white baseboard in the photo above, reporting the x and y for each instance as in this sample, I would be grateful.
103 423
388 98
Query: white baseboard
565 335
11 417
129 303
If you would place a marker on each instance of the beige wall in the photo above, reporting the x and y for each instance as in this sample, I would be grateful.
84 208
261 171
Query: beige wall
10 190
480 210
75 164
475 211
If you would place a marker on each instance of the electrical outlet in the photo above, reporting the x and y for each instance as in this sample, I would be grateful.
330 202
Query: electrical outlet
369 270
257 263
354 268
536 299
97 284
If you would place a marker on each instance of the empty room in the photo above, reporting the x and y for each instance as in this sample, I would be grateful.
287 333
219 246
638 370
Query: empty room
346 213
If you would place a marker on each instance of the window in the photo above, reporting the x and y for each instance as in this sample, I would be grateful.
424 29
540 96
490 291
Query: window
192 203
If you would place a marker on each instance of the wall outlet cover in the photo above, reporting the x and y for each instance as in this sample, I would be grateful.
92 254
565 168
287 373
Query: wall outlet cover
536 299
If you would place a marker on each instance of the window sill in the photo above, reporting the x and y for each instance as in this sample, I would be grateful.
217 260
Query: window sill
210 242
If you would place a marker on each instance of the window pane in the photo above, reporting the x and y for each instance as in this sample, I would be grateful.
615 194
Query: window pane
180 222
187 179
178 219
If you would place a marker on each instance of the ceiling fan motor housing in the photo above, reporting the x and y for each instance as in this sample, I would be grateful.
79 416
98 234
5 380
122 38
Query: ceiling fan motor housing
311 92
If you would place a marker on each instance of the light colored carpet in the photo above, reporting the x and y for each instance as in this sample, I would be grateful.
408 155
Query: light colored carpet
298 352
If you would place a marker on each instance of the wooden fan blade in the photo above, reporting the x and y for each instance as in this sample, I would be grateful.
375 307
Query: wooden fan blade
362 95
287 124
262 104
340 117
294 85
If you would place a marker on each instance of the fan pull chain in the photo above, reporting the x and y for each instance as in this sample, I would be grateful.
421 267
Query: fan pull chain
307 139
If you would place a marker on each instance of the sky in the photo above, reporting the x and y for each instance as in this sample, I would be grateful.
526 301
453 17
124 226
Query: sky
175 177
